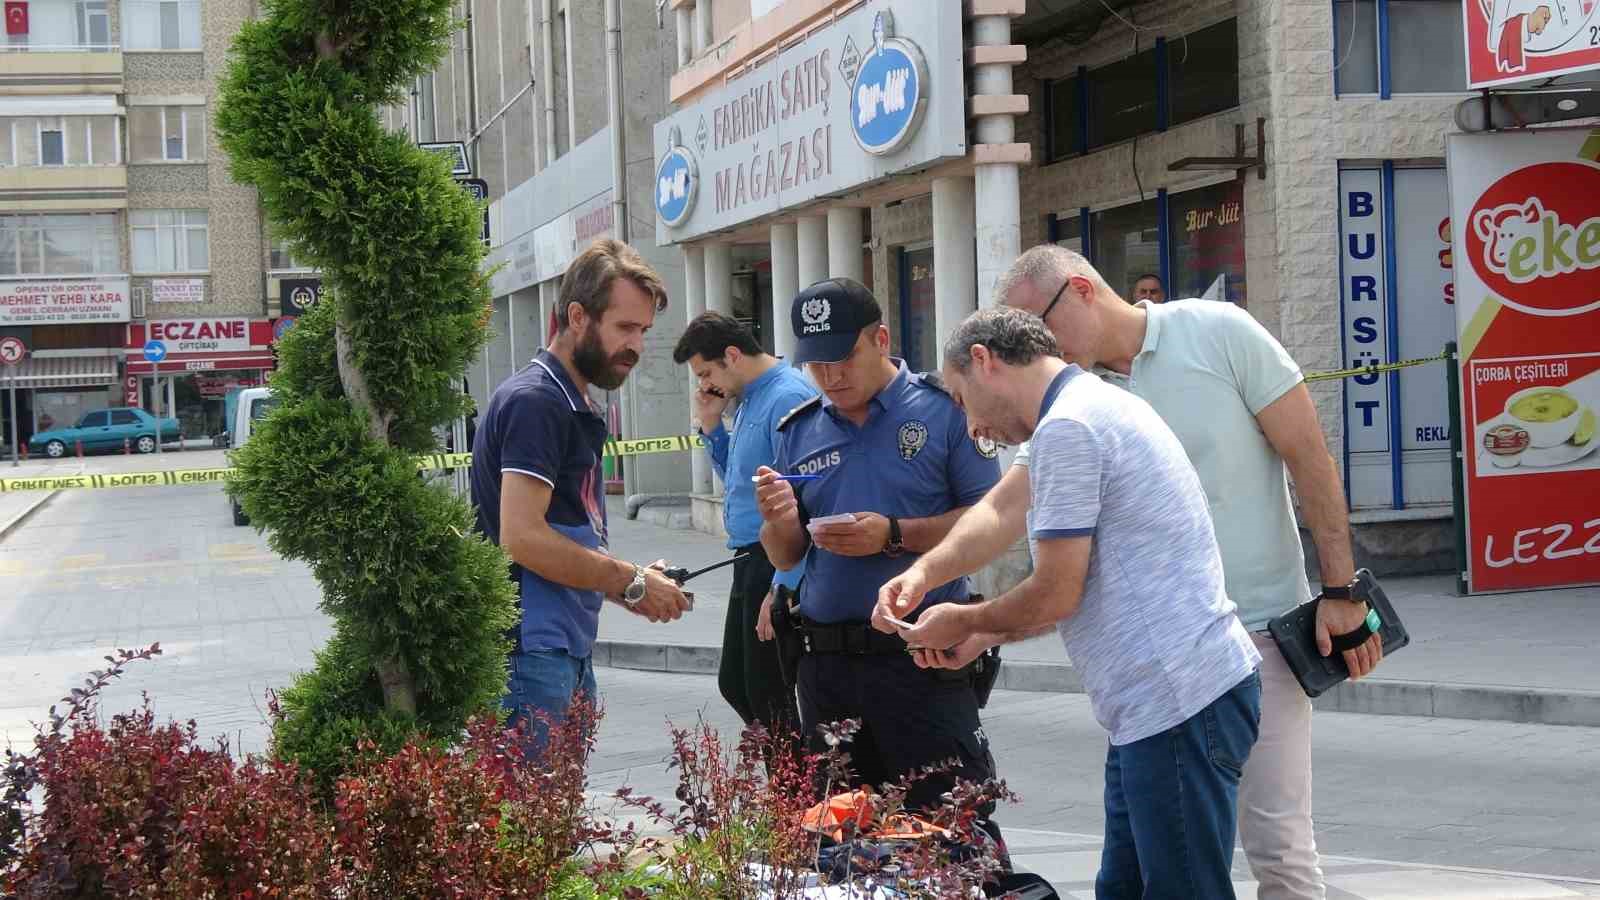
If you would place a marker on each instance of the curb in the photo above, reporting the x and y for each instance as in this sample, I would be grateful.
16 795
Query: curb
1378 697
18 520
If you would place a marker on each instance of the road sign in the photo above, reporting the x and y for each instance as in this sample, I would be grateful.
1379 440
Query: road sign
280 327
155 351
12 351
479 189
454 151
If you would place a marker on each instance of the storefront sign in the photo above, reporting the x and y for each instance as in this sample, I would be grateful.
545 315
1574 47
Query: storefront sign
677 182
201 335
64 302
298 296
178 290
130 390
1515 40
549 249
1527 234
851 104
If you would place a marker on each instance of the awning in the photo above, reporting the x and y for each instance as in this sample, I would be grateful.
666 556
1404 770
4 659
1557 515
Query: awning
60 372
218 361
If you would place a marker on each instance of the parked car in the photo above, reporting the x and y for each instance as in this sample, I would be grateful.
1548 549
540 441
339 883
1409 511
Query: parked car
252 406
106 429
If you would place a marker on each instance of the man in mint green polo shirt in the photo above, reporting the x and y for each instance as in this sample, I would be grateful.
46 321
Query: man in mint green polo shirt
1238 404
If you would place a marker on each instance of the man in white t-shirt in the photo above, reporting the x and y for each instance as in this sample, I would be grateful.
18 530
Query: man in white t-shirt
1239 405
1126 567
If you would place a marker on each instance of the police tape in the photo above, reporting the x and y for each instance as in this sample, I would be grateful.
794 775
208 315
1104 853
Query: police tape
427 462
1375 368
679 443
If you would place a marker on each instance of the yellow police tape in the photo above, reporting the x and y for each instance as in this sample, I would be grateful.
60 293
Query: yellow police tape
431 461
441 461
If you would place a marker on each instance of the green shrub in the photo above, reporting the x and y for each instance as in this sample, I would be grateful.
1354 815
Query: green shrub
420 603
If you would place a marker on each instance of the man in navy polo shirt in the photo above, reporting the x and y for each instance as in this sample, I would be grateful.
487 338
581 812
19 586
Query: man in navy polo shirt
540 493
889 459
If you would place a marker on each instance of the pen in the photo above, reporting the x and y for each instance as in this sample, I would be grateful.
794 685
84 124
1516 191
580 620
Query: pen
756 479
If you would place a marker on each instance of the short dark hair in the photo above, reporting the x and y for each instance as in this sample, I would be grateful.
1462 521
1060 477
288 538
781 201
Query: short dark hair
709 336
1152 276
1017 338
588 280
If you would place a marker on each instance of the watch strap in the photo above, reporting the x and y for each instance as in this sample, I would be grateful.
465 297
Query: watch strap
896 540
1339 592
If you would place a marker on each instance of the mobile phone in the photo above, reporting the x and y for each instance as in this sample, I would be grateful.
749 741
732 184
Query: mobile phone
898 623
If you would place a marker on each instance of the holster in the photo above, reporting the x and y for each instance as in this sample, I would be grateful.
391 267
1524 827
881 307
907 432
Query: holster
985 669
787 634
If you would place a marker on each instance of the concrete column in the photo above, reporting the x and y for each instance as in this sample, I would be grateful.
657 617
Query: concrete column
685 29
785 284
844 243
702 26
999 186
955 260
812 234
719 277
694 302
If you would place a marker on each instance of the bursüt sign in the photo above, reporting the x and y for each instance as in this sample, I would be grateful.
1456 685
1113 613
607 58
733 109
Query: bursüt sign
850 105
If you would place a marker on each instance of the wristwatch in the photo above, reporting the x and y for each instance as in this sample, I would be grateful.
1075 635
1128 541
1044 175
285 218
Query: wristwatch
1340 592
896 545
634 592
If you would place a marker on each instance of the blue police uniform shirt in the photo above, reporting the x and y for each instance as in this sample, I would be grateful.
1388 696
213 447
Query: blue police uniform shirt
539 424
736 455
912 459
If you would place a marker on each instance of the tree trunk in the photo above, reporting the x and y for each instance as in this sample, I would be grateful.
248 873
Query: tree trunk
399 690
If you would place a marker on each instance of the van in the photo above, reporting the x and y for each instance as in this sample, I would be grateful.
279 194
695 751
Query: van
253 405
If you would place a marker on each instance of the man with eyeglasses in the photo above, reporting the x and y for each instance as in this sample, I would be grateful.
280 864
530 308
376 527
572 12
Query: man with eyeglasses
1239 406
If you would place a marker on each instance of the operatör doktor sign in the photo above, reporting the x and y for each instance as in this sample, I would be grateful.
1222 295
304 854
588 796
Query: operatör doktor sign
1526 216
876 93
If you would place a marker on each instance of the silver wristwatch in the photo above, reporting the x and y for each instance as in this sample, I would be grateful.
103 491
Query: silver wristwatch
634 592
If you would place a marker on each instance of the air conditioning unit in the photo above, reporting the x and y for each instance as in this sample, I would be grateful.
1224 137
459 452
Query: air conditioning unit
140 295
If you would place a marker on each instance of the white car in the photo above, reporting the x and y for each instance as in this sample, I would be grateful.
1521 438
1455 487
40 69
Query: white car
253 406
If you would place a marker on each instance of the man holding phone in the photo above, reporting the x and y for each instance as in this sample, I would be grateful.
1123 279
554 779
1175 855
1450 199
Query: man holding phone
888 467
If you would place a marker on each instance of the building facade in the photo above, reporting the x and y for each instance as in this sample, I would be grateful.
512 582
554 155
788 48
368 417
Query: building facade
523 91
119 224
1283 156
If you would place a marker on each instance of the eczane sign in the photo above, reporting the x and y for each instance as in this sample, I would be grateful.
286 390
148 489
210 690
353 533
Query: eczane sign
853 104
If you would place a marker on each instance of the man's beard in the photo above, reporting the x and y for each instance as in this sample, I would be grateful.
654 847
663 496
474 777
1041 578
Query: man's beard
598 369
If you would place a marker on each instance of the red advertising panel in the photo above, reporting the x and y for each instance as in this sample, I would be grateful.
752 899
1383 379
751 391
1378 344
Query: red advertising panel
1526 215
1515 40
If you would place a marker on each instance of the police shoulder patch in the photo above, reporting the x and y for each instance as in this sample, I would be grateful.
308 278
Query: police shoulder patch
987 448
791 414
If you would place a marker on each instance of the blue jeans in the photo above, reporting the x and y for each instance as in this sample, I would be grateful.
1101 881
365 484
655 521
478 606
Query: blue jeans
545 681
1172 800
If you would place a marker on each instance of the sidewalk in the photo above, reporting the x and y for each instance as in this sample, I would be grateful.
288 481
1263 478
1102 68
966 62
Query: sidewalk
1521 657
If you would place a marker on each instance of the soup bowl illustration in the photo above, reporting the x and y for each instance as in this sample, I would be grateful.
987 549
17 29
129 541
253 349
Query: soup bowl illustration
1549 414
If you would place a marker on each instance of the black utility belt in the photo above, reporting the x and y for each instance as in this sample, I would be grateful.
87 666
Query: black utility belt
847 638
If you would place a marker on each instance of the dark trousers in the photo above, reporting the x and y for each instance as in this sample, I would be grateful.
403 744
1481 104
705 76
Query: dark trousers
910 718
749 676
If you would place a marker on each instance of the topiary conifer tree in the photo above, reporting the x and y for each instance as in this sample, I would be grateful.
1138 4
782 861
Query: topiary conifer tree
420 603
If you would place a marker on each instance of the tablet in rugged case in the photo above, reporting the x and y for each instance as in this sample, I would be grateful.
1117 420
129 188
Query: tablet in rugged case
1296 635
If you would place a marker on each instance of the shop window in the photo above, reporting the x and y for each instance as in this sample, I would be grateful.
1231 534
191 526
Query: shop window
1423 42
1207 234
167 134
1175 80
1397 302
161 24
1122 100
1203 71
170 240
919 342
1126 243
59 245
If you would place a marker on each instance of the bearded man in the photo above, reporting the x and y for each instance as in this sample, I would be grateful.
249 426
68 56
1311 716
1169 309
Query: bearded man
539 490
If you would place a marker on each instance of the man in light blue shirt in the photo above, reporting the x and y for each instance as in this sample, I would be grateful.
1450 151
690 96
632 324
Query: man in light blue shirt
1126 568
728 363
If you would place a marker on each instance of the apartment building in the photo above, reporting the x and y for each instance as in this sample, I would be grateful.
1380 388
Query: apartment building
119 224
521 100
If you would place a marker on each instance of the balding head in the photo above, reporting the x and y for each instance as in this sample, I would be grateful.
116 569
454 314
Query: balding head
1045 268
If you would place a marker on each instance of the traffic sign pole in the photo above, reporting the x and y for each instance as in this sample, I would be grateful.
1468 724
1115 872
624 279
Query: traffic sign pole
12 352
11 378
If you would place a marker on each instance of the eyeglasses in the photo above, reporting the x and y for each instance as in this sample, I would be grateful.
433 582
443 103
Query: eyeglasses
1054 300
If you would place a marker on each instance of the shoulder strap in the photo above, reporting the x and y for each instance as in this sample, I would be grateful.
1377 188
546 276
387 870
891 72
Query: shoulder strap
933 380
788 417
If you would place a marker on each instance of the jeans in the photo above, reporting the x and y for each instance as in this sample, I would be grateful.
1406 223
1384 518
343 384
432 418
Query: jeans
545 681
1171 803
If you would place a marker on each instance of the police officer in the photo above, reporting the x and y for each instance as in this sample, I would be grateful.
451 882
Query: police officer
886 459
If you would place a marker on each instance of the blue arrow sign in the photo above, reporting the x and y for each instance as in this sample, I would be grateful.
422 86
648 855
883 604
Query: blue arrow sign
155 351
